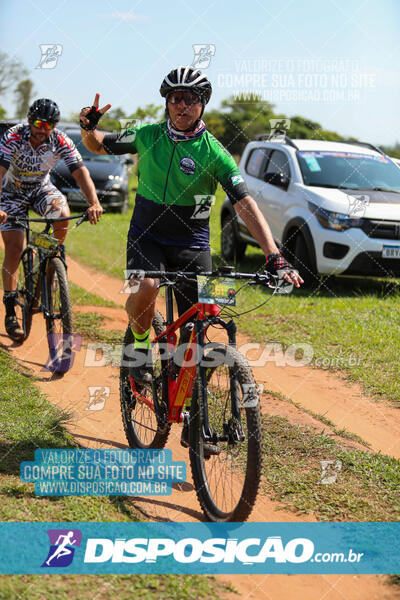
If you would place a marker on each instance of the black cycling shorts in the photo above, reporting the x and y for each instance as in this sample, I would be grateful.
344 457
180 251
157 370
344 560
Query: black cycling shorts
151 256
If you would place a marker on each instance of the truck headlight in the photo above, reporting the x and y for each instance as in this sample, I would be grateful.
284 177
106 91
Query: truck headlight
334 220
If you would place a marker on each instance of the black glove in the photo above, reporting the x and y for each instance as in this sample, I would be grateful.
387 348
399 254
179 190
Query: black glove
276 262
94 116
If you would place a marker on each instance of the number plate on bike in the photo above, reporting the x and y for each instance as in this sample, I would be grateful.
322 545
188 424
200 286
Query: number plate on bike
214 290
43 240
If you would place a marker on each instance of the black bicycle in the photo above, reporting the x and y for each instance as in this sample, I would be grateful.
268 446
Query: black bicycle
43 287
206 385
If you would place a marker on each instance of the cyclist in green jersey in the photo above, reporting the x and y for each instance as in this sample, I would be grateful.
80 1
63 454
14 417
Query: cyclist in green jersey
180 166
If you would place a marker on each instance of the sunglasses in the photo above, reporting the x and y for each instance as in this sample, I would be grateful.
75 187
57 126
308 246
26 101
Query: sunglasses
188 98
43 125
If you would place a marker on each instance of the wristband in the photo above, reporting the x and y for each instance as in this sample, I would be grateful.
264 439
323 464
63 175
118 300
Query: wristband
273 255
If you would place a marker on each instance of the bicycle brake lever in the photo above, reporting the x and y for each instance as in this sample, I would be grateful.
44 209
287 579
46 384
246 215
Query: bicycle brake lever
84 218
283 286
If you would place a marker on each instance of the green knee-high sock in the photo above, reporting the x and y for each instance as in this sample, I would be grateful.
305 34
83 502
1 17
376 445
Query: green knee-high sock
142 339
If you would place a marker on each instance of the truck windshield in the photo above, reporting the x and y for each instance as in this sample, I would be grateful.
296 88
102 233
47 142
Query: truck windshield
349 170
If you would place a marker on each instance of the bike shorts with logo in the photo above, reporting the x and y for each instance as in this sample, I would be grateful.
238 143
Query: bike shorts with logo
148 255
45 200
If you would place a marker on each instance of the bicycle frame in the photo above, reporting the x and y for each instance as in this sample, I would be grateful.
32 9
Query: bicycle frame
181 388
36 282
43 257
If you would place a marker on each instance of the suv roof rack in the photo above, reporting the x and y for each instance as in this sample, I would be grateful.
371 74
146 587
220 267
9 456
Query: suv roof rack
365 144
269 136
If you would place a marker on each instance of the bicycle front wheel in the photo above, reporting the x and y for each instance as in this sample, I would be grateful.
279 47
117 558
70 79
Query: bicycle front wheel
226 470
23 306
59 320
142 429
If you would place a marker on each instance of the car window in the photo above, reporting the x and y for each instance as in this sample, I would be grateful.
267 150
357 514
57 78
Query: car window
348 170
86 154
256 161
278 163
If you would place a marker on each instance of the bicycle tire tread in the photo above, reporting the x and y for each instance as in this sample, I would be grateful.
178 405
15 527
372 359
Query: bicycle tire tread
251 485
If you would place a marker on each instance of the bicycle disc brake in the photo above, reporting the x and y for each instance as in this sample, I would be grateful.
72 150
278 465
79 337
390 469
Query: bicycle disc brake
234 430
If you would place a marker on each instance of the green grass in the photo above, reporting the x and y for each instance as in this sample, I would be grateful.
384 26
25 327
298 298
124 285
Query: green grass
366 489
353 327
101 246
81 297
27 422
109 587
89 326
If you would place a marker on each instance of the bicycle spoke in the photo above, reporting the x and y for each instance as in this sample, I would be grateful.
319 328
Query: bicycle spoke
225 469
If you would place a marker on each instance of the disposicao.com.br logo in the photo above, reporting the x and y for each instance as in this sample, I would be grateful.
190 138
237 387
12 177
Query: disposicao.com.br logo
213 550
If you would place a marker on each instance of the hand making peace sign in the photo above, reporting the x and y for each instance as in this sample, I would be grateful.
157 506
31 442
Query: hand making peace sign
91 115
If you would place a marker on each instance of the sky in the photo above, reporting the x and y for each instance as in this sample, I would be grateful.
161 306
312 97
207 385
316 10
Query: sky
332 61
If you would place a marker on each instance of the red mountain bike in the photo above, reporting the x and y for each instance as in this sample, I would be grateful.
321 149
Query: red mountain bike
210 387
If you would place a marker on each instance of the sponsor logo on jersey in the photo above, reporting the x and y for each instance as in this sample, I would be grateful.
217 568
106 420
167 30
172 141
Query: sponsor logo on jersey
237 179
187 165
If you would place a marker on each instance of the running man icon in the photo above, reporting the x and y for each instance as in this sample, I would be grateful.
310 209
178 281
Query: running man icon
62 542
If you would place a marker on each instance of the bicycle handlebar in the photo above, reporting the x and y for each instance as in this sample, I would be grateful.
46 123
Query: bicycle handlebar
257 277
21 220
276 282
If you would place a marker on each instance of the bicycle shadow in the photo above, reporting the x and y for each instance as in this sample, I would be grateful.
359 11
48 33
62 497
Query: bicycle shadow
195 514
109 443
7 344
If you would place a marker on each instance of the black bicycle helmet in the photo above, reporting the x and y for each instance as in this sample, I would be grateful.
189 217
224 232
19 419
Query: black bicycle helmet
44 109
187 78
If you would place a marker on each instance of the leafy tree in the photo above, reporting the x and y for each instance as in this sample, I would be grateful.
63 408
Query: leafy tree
392 150
112 119
11 72
2 113
148 114
23 94
239 121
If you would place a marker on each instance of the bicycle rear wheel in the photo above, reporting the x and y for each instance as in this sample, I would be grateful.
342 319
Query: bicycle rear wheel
226 473
141 427
23 305
59 321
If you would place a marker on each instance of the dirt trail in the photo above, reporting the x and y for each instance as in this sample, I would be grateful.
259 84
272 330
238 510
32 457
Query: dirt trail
103 428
